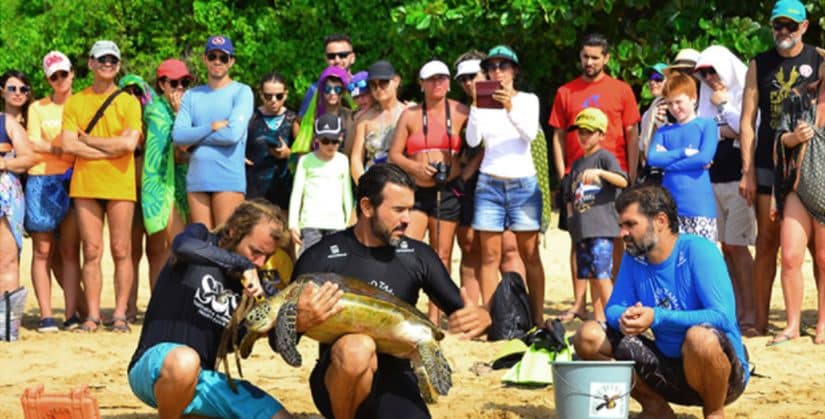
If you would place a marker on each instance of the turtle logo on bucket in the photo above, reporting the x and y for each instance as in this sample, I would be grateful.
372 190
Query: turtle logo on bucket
214 301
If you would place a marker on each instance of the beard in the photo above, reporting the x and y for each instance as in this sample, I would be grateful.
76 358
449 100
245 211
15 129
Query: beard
384 233
640 248
592 72
785 44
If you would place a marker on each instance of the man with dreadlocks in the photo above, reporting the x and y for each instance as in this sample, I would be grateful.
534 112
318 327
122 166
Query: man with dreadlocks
197 292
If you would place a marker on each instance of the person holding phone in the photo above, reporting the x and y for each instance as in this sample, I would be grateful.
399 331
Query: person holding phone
654 117
507 192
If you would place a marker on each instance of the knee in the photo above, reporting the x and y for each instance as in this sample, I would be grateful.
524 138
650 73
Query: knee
701 344
182 366
589 339
121 249
490 256
42 249
792 257
354 354
92 251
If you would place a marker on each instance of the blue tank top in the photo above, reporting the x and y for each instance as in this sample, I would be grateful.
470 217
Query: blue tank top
5 141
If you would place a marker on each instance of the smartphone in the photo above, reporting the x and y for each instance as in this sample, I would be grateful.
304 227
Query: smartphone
484 94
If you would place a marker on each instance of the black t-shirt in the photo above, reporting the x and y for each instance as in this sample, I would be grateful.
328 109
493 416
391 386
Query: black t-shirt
727 162
776 77
593 213
193 298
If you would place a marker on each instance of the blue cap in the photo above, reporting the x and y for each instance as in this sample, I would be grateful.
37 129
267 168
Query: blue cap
221 43
500 51
791 9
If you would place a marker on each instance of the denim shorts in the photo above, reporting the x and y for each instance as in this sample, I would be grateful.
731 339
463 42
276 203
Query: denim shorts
507 204
213 396
47 202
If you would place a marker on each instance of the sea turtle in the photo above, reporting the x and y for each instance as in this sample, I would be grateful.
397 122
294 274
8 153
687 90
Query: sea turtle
398 328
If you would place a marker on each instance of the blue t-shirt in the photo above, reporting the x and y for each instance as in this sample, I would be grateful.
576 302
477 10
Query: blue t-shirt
690 287
217 159
686 176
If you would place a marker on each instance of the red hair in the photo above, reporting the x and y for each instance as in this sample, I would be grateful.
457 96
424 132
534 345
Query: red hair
678 83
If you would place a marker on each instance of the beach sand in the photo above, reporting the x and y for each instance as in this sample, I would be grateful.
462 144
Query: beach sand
63 360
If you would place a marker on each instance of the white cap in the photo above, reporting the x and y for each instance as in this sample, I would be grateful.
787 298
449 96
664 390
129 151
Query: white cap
433 68
101 48
468 67
56 61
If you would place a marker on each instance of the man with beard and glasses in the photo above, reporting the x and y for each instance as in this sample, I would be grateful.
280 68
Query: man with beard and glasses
351 379
675 287
771 77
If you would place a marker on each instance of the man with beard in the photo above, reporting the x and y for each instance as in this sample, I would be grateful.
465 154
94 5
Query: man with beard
676 287
351 379
771 77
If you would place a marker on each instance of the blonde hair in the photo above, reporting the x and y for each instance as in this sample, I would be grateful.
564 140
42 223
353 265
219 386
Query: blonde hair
246 217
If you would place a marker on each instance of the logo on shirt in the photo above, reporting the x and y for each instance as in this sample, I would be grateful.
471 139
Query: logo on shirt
404 247
806 70
214 301
591 101
335 252
382 286
585 195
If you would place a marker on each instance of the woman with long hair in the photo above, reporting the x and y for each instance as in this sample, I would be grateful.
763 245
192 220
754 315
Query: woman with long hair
17 95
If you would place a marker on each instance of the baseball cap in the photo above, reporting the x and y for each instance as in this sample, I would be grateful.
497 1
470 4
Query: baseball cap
328 126
500 51
221 43
791 9
592 119
104 47
173 69
56 61
468 67
358 84
656 68
381 70
686 58
433 68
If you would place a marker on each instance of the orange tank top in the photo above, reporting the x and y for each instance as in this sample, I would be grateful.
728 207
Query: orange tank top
435 135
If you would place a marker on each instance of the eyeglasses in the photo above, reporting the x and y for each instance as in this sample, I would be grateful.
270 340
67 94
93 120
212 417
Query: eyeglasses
656 77
502 65
361 84
341 55
213 56
57 75
379 84
327 141
706 71
24 90
277 96
790 25
184 82
333 89
108 59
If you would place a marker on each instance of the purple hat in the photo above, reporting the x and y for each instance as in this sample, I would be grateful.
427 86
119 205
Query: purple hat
331 71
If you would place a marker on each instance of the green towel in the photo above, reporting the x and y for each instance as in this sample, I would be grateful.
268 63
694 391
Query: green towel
538 149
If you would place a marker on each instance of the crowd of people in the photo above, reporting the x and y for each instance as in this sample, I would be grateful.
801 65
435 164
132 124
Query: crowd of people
352 181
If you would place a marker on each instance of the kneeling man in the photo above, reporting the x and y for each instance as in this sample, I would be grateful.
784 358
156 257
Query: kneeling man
677 287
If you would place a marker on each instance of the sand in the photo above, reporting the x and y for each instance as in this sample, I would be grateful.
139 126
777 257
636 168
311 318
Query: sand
63 360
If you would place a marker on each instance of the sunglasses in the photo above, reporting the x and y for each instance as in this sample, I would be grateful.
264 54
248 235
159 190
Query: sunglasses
333 89
379 84
340 55
361 84
327 141
707 71
656 77
108 59
24 90
790 25
184 83
57 75
467 78
213 56
502 65
277 96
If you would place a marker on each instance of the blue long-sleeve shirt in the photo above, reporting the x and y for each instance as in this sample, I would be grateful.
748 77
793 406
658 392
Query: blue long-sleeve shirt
686 176
690 287
217 160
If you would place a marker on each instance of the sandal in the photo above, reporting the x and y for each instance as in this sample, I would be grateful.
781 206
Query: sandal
86 328
120 324
570 315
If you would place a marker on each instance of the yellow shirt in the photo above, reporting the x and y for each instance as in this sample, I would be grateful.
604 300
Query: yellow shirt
44 124
103 178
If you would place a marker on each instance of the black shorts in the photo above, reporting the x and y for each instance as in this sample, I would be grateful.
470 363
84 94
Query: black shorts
666 376
466 198
425 201
395 393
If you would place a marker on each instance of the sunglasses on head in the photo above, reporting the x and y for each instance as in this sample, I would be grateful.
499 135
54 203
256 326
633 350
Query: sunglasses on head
379 84
361 84
502 65
327 141
184 82
214 56
57 75
108 59
333 89
656 77
277 96
341 55
706 71
24 90
790 25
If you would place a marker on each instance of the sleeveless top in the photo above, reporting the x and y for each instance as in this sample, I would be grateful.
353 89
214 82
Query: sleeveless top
5 142
377 142
436 138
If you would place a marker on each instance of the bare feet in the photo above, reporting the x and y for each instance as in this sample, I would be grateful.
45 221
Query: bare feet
571 314
749 331
819 339
658 412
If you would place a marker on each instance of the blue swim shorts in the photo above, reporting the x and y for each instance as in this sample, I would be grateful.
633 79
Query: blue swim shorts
47 202
594 258
213 397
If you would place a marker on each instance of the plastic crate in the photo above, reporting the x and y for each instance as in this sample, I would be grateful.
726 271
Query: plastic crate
77 404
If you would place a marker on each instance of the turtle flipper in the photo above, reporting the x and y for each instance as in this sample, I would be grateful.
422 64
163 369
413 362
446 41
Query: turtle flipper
432 370
248 341
286 333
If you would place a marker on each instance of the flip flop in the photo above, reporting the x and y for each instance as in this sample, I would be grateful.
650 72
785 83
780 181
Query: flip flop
780 339
570 315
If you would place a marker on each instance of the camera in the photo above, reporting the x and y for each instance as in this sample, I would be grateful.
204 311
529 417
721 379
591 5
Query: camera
442 170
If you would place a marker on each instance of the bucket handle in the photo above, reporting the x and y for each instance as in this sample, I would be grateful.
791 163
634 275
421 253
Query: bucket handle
608 401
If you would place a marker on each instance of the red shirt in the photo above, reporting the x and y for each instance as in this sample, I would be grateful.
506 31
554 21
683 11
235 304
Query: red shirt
614 97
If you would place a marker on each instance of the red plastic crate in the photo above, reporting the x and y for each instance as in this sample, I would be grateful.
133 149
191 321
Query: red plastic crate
77 404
